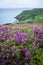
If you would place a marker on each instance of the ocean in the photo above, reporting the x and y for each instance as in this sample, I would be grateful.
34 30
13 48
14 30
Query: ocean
7 15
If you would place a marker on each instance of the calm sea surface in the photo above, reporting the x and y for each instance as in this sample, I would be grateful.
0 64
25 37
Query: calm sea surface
7 14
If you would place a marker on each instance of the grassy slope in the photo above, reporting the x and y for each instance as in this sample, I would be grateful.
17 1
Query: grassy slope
34 15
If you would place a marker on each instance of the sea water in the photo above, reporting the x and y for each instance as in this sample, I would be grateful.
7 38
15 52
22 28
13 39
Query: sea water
7 15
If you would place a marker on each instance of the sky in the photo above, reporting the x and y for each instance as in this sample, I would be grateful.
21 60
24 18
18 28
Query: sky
21 3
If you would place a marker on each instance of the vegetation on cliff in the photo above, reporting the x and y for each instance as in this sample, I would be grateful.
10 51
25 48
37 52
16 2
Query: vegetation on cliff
30 16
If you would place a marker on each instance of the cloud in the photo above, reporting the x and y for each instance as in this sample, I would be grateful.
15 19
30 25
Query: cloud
21 3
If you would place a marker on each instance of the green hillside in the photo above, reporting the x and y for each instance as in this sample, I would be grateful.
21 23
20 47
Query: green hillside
29 16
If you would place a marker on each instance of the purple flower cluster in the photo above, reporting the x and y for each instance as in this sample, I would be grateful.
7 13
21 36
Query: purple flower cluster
28 54
7 54
38 37
38 32
14 49
20 36
26 51
5 33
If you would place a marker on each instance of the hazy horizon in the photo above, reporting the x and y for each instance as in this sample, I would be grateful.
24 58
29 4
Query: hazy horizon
21 3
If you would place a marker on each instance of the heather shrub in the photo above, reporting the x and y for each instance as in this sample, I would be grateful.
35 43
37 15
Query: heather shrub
23 46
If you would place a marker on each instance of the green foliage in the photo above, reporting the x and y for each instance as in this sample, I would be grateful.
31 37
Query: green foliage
38 57
30 16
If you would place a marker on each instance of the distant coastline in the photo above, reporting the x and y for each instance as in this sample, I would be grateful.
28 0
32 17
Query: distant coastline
7 14
31 16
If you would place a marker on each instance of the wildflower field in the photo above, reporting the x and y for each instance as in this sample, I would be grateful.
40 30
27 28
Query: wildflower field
21 45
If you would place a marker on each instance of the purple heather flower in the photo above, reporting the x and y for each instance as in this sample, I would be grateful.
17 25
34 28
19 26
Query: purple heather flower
41 35
41 31
3 46
23 35
16 50
4 56
36 39
24 49
3 63
17 39
20 36
5 50
34 45
28 54
36 30
10 28
1 54
2 39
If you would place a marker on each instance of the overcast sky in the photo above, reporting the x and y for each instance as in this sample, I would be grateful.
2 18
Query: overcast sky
21 3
